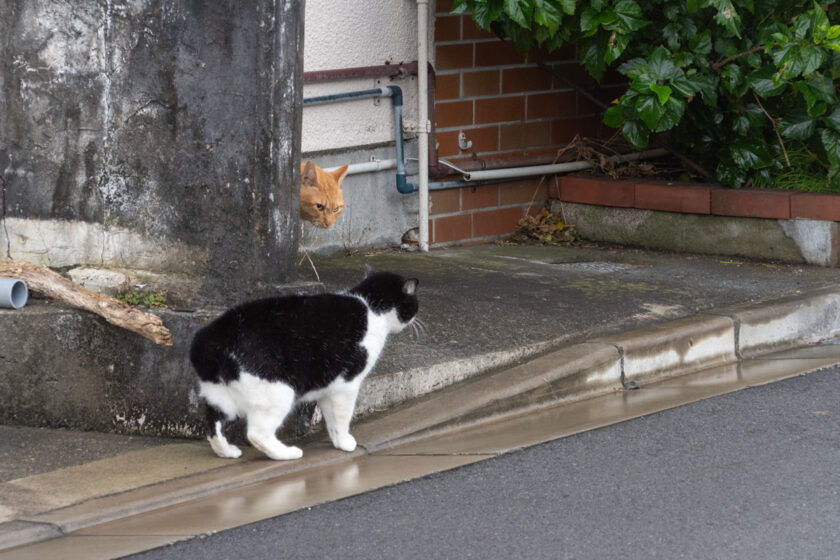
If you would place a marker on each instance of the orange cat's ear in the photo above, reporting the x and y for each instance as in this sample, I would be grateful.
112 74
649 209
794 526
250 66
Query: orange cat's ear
308 175
340 173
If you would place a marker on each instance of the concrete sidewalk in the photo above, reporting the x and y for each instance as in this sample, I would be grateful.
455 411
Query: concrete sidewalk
509 329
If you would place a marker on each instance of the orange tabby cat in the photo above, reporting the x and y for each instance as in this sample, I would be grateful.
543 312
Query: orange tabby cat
321 200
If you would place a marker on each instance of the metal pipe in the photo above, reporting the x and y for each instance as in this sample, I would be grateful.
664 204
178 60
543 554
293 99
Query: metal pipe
368 166
395 93
347 96
423 119
13 293
397 100
532 170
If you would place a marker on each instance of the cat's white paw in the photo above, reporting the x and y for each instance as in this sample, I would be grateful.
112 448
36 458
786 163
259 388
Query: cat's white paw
282 452
224 449
345 442
287 454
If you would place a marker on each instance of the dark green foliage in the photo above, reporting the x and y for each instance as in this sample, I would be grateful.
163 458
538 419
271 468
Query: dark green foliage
740 83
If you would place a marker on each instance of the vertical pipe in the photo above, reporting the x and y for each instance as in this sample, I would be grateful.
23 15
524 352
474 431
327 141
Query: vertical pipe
423 118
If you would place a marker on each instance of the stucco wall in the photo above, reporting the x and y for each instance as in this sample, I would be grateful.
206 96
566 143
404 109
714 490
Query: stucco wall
351 34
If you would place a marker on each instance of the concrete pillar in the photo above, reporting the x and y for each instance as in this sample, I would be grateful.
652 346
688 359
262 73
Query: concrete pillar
160 135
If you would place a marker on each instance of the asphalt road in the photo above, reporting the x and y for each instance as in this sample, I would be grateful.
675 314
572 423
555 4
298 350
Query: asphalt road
751 474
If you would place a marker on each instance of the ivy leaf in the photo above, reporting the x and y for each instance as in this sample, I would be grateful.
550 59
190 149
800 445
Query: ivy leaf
833 120
608 19
672 12
695 5
672 36
819 22
741 125
731 76
650 110
834 176
730 174
460 7
764 83
728 17
615 48
831 143
662 92
484 14
755 115
823 88
818 92
701 43
798 126
707 88
546 13
674 110
636 133
614 116
589 22
632 67
660 65
591 52
801 27
782 54
683 86
629 14
568 7
518 11
750 153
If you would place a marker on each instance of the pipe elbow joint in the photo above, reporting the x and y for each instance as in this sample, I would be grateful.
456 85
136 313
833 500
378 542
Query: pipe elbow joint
403 186
396 95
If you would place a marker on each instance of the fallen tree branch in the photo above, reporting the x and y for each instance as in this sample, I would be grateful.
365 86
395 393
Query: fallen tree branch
52 285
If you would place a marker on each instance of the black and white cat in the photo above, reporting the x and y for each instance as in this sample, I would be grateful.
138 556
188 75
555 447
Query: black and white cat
260 358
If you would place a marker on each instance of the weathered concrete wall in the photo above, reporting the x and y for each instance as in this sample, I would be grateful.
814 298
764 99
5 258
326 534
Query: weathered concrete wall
86 374
151 134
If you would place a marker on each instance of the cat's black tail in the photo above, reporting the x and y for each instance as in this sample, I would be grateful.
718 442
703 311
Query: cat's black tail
210 359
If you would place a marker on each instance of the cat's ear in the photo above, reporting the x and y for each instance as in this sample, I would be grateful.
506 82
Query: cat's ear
308 175
410 286
339 173
368 270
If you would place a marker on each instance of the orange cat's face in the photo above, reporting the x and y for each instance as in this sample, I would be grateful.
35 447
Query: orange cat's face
321 201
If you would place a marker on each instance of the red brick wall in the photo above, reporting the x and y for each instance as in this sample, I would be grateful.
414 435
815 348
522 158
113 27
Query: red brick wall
506 105
482 214
509 108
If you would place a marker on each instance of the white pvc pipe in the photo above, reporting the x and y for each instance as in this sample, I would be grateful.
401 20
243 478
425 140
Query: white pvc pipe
532 170
13 293
423 119
368 166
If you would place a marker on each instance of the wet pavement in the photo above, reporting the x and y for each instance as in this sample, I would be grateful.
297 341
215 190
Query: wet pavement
460 447
748 475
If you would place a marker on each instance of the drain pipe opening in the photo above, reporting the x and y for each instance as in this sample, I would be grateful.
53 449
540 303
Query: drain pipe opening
13 293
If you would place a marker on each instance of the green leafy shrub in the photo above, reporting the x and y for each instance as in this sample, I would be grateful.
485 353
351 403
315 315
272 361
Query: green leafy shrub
739 85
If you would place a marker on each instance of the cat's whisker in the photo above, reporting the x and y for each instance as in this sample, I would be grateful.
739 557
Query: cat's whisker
419 329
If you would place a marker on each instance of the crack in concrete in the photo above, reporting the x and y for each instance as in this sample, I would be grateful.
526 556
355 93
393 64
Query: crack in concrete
3 217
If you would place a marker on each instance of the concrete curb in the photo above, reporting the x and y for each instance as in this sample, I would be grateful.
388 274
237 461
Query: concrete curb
578 371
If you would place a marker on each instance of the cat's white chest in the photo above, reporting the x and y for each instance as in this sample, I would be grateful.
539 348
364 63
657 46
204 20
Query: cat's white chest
374 340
